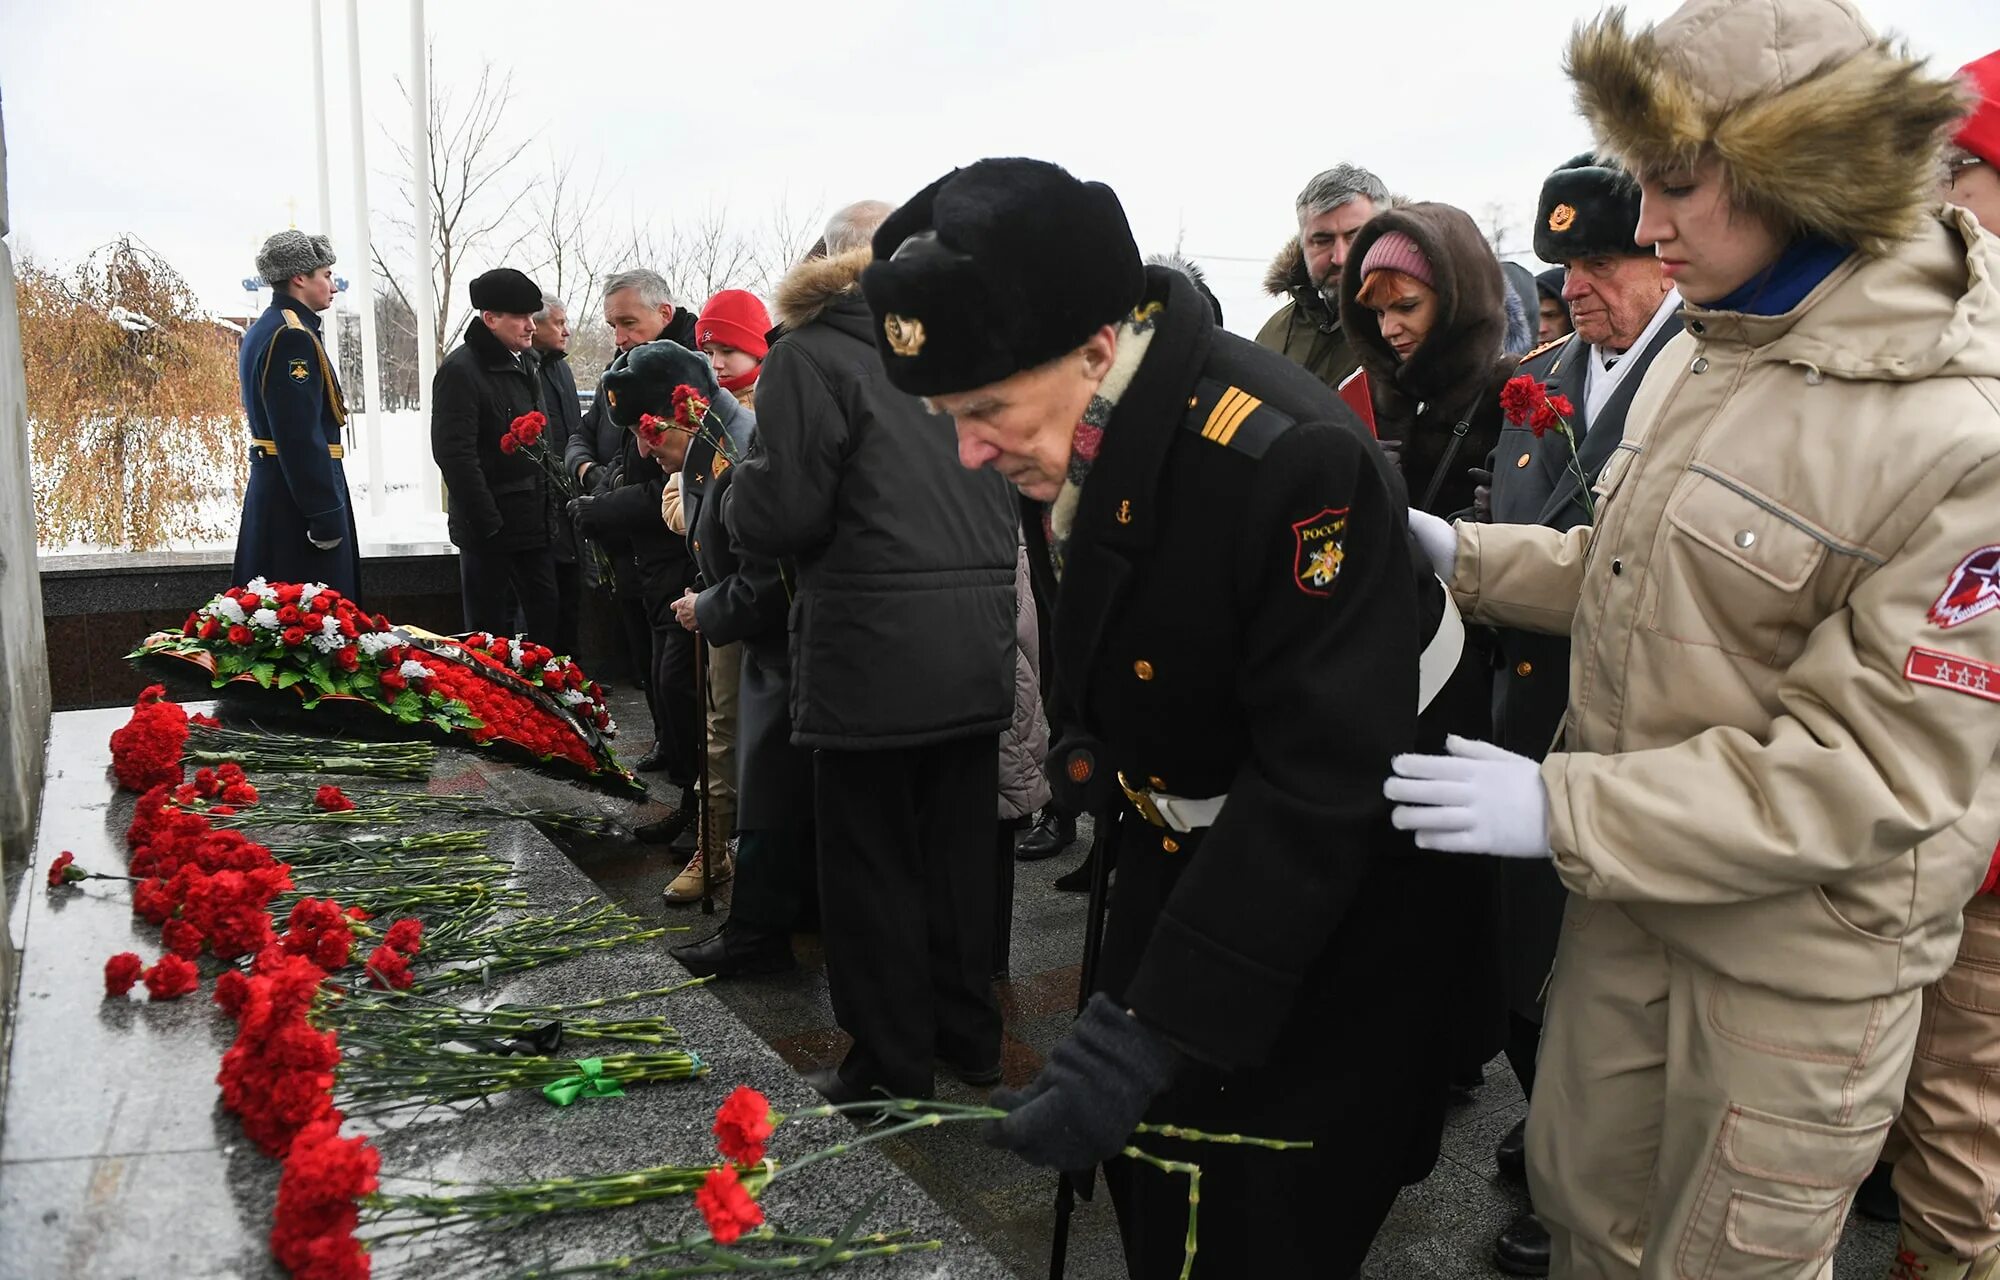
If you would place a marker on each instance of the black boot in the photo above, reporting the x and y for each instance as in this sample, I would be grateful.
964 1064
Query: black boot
1512 1155
736 953
1523 1248
1052 833
653 761
1077 881
672 827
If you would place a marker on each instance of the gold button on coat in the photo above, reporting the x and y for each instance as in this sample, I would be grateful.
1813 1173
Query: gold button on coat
1143 669
1170 844
1157 784
1522 461
1525 669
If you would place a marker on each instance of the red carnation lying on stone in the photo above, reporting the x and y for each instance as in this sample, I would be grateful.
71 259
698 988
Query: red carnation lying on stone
171 978
121 972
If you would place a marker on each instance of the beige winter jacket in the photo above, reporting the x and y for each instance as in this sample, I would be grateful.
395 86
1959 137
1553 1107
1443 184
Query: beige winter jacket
1780 743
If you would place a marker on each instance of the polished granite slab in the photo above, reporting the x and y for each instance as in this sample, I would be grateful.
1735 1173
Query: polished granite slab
117 1160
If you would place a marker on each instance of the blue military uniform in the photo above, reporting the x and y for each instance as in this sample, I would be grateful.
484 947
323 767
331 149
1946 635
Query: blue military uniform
298 487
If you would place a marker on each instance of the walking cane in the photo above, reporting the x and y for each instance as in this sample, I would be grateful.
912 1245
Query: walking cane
1093 944
701 809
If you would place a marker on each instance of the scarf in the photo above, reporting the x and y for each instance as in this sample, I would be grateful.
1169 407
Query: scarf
1135 334
1785 283
743 381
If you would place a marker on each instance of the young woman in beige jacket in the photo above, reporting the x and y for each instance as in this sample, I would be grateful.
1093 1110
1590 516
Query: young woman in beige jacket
1775 790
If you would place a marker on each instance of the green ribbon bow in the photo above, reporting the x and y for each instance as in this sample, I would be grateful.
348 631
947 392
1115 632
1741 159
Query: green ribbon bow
593 1083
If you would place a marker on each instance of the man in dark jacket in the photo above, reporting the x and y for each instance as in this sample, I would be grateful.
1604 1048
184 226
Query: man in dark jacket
498 502
1334 206
297 523
902 677
650 565
1268 919
565 415
1625 311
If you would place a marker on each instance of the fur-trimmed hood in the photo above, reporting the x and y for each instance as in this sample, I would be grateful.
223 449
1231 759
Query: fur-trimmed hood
1465 343
1821 126
1287 271
816 284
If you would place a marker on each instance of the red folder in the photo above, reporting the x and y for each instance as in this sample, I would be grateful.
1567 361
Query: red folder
1354 390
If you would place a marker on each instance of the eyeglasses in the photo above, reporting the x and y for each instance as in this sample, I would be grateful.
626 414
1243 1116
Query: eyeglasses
1955 167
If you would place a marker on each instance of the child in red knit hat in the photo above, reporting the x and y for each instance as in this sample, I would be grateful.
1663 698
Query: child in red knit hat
731 333
1974 163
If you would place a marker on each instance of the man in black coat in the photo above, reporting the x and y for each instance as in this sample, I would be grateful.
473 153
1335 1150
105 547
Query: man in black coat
1624 311
650 564
902 678
297 525
565 415
1237 636
498 502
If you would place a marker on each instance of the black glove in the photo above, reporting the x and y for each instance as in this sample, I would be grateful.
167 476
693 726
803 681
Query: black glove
1081 1110
582 509
1482 494
597 479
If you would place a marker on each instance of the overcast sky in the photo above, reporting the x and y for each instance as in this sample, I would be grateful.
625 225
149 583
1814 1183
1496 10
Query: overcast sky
190 126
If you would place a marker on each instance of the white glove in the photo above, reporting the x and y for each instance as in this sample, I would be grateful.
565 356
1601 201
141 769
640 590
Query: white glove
1478 799
1438 540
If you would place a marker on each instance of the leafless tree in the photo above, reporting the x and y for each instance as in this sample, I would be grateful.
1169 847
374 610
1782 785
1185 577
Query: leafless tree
784 240
567 245
474 187
1498 224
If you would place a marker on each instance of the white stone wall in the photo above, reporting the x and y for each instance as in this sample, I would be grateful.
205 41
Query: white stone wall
24 659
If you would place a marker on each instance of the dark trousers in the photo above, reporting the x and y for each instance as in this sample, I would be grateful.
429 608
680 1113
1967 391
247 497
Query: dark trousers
493 580
672 693
773 880
569 607
637 634
1003 896
906 889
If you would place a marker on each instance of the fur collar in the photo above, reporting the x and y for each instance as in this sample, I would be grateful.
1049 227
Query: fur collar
1822 127
816 284
1287 271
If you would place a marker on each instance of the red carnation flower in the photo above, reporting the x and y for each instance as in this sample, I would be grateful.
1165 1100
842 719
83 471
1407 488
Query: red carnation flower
171 979
743 1125
206 722
332 799
294 636
393 681
320 1188
405 936
288 592
726 1206
508 443
389 968
239 793
210 628
289 614
347 659
59 870
240 634
181 938
232 991
1518 398
192 625
121 972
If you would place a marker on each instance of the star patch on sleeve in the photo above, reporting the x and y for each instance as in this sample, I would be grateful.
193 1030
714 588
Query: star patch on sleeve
1952 671
1974 590
299 371
1319 548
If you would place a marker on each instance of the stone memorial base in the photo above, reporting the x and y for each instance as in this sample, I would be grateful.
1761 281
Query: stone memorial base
117 1159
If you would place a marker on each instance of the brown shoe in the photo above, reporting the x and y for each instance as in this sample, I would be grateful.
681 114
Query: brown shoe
686 887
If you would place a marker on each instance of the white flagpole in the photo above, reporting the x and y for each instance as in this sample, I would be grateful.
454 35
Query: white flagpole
364 274
324 227
420 183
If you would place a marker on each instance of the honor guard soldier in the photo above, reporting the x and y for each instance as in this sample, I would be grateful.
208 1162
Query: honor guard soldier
298 525
1237 631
